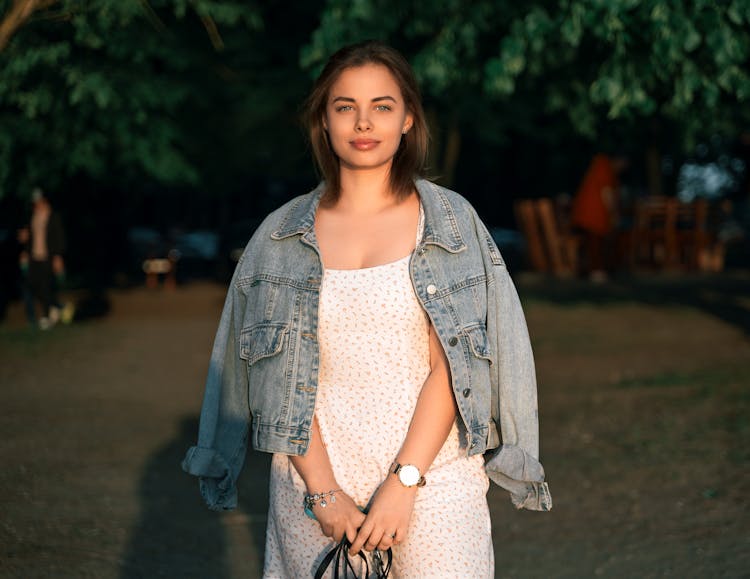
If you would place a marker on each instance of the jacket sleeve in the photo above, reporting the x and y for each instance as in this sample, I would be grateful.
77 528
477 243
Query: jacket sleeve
514 464
218 457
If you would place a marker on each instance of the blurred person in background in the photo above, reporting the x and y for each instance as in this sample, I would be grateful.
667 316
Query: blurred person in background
595 213
23 236
374 330
42 261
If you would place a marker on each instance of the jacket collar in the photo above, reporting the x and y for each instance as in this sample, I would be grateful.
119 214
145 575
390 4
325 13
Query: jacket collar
300 217
440 224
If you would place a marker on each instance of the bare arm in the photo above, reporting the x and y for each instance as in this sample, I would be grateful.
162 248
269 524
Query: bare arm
337 518
434 414
391 508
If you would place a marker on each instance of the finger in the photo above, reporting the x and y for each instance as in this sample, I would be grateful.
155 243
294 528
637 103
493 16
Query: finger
351 533
337 534
375 538
362 536
388 540
360 519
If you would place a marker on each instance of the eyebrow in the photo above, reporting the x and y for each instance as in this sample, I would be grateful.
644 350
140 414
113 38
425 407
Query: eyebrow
351 100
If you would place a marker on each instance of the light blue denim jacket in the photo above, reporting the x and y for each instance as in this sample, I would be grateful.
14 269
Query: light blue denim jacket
262 377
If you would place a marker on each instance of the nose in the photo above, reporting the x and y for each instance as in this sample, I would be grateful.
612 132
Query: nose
363 122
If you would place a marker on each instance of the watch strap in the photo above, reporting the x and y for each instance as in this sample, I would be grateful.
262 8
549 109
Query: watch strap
396 468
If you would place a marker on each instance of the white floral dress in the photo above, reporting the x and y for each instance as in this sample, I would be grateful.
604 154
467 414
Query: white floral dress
374 358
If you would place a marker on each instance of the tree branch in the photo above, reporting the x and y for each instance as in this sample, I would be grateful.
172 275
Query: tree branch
153 18
17 15
213 32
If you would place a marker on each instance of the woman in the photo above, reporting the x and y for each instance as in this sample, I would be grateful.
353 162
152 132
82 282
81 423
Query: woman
595 212
373 341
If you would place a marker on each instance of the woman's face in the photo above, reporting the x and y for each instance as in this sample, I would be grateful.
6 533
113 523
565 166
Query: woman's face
366 117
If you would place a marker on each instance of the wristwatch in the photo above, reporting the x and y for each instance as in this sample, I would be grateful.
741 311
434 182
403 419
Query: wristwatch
408 474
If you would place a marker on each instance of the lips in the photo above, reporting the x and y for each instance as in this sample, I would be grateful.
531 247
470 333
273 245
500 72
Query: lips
364 144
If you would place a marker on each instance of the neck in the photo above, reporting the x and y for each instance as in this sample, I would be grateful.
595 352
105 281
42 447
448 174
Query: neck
365 190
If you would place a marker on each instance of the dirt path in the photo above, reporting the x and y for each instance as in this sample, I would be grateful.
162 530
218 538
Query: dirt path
646 428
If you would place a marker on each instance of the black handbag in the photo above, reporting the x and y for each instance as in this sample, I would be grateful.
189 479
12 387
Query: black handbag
343 568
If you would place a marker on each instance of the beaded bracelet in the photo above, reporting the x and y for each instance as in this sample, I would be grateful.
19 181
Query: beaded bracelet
323 498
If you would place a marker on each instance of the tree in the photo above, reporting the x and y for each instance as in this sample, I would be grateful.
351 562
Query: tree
98 87
598 64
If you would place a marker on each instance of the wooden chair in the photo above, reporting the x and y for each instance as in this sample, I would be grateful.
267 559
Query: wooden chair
561 244
526 216
653 241
669 234
551 246
691 234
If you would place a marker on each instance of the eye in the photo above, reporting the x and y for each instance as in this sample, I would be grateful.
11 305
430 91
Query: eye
344 108
383 108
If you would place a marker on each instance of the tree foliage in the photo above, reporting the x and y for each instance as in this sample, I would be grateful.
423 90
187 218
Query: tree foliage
99 87
195 92
593 61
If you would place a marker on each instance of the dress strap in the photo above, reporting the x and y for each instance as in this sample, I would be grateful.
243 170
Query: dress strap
420 224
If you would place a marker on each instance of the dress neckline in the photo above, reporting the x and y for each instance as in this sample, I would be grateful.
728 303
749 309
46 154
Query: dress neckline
420 227
372 267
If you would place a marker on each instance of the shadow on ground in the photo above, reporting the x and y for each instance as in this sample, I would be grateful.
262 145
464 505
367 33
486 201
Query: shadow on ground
176 534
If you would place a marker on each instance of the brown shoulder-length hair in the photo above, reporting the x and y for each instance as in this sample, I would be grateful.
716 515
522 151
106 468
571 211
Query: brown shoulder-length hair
411 156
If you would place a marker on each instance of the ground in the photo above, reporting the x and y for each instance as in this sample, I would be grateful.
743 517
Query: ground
644 390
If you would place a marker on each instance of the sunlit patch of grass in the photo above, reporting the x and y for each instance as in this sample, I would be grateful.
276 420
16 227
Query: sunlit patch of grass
705 381
679 413
664 380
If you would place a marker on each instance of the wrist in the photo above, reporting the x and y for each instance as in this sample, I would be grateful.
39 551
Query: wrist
317 487
319 480
409 475
322 500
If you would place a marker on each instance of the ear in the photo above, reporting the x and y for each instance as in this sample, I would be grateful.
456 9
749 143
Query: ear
408 123
325 122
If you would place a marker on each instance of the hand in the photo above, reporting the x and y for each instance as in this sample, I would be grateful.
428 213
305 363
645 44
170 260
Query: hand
58 265
387 521
339 518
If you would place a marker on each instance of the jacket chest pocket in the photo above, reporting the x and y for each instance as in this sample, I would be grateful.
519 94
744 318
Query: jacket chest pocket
261 347
262 340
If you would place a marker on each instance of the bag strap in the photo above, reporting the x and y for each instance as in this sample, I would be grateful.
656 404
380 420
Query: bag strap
339 556
383 570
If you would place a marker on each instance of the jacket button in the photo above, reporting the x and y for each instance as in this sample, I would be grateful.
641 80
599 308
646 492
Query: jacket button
431 289
466 392
453 341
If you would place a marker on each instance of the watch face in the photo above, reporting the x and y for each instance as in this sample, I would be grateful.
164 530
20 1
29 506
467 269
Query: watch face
409 475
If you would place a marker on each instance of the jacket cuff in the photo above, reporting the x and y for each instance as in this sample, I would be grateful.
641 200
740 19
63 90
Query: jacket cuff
522 475
216 482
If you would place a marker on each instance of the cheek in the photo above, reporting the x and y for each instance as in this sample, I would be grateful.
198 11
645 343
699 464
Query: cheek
335 128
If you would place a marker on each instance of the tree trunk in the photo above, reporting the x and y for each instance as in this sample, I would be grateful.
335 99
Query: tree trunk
653 160
653 170
445 148
451 153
